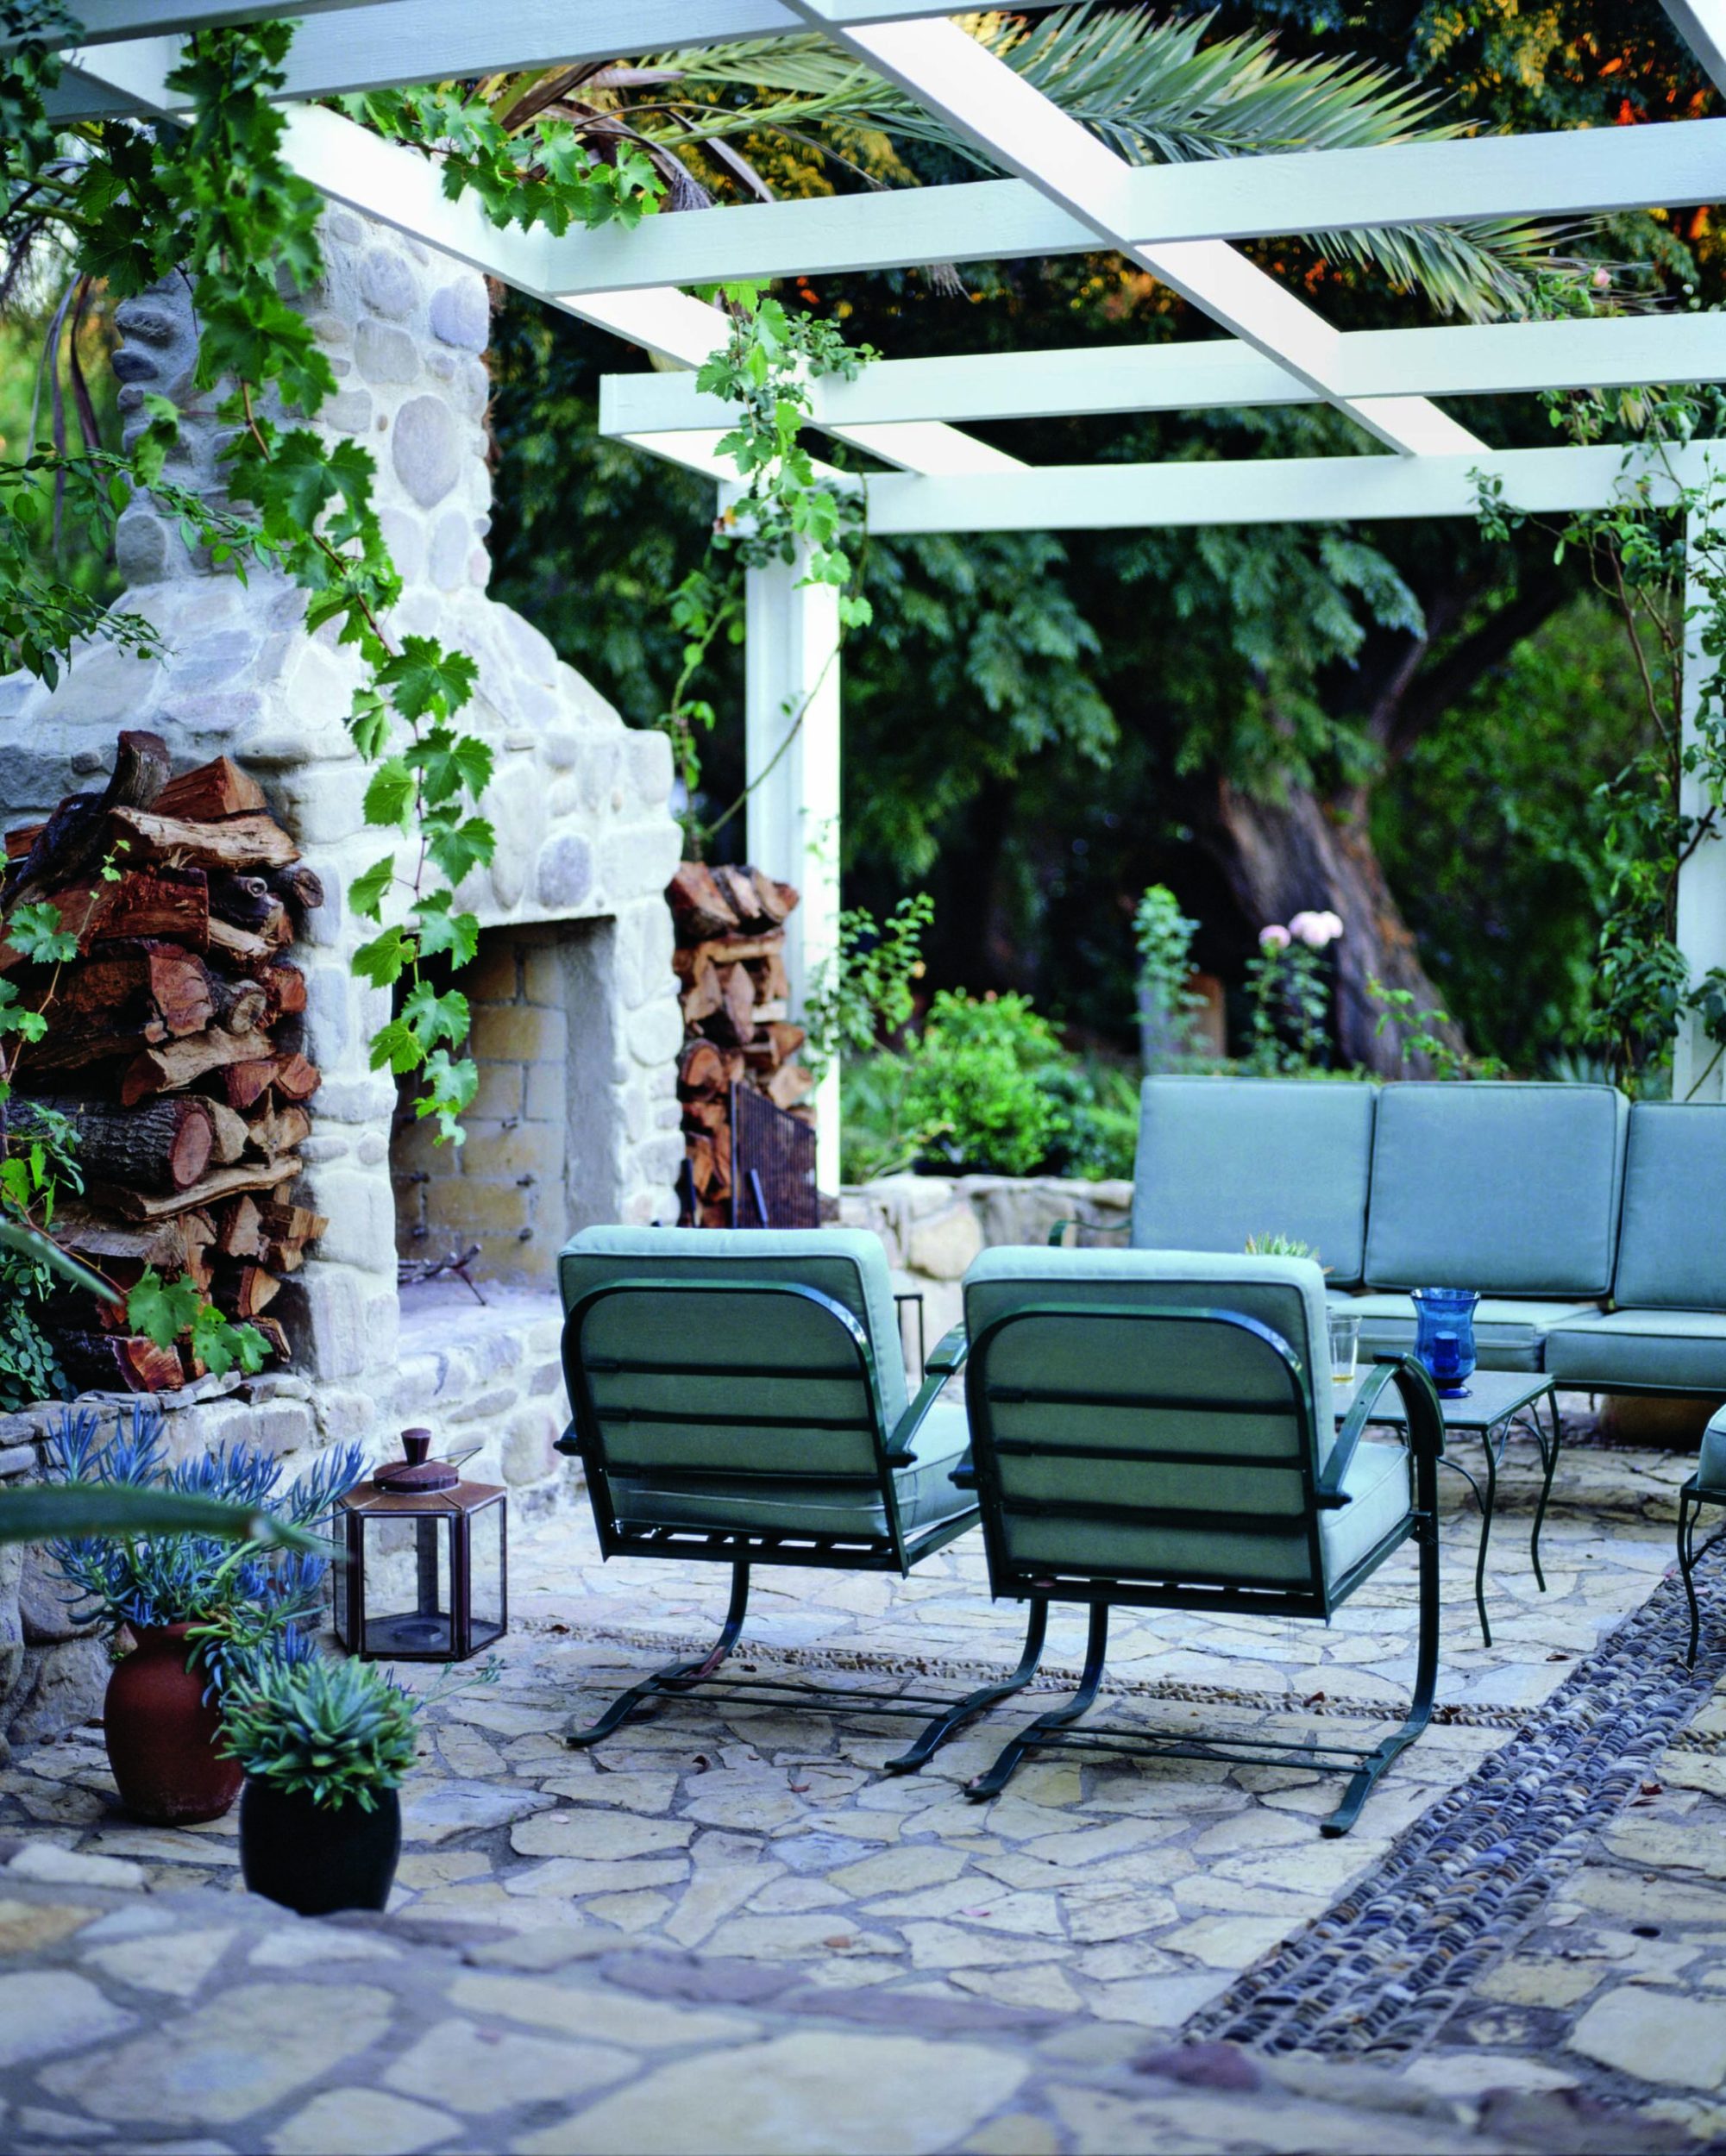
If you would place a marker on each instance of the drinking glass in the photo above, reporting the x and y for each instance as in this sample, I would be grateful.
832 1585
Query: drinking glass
1345 1346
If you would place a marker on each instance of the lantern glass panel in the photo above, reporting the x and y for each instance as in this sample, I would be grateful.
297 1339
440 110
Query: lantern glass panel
409 1603
491 1611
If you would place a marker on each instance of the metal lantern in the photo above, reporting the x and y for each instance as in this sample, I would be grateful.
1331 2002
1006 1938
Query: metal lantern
425 1575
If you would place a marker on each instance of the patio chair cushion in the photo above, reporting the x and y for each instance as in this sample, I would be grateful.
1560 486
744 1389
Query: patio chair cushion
1507 1187
1675 1350
1377 1482
1285 1294
1223 1158
925 1491
1671 1253
847 1264
1711 1466
1508 1335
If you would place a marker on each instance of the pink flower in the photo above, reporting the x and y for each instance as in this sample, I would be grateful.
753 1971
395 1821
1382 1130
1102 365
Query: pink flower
1274 937
1315 929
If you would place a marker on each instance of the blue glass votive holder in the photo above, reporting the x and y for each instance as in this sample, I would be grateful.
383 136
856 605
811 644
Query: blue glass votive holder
1444 1337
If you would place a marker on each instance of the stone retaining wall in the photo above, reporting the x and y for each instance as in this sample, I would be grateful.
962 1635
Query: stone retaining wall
934 1225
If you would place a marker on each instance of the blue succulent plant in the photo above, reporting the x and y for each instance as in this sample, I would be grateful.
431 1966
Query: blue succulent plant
240 1597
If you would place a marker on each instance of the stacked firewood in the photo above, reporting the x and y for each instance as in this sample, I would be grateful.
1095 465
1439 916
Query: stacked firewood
175 1047
730 959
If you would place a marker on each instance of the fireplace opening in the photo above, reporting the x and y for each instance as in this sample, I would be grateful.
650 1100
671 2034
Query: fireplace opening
544 1151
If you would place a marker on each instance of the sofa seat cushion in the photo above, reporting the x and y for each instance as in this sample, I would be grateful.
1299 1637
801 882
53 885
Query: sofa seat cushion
1677 1351
1508 1334
1710 1467
1222 1159
1510 1188
925 1490
1378 1486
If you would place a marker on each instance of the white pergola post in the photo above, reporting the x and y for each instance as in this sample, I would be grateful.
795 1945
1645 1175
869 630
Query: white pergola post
1699 1068
791 751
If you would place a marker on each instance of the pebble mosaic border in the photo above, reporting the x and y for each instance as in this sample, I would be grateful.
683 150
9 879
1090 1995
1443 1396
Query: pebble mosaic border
1386 1966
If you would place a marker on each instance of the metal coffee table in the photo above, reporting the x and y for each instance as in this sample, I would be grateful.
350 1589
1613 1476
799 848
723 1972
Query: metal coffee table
1496 1404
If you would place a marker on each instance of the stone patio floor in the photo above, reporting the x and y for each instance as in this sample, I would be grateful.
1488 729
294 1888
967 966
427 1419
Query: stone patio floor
729 1930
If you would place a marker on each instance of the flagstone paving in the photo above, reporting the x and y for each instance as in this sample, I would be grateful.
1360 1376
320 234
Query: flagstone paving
899 1967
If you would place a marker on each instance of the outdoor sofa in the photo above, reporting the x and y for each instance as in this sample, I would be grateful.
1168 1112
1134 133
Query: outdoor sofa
1588 1224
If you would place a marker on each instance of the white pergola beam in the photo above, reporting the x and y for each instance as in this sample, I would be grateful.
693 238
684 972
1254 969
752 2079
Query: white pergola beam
1016 126
1262 491
349 44
1702 24
1582 174
1217 373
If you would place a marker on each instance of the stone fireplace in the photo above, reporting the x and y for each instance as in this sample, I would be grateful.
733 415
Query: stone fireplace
576 1024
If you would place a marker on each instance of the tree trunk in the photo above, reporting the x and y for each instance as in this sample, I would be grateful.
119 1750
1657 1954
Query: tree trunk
1279 857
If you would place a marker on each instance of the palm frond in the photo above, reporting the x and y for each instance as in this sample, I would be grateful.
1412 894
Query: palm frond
1156 92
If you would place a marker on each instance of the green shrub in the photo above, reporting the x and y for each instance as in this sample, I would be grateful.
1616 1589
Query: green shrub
983 1084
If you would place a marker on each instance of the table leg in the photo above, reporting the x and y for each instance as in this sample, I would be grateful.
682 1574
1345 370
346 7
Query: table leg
1549 1461
1487 1503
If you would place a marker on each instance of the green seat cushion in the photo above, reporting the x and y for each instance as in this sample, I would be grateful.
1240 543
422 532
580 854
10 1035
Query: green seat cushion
849 1265
1510 1188
924 1492
1711 1466
1378 1486
1676 1351
1220 1159
1672 1254
1508 1334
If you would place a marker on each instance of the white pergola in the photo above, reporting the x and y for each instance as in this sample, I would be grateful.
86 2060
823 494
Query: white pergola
1062 191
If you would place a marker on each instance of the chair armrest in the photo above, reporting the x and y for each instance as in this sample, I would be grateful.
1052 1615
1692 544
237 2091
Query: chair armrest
569 1442
964 1475
949 1355
1057 1233
1419 1403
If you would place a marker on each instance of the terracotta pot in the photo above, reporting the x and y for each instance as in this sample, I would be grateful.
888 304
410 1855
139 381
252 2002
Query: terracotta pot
1666 1422
161 1734
311 1859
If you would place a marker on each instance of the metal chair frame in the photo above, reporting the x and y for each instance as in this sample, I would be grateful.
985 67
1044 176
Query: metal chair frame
1690 1500
890 1552
1102 1590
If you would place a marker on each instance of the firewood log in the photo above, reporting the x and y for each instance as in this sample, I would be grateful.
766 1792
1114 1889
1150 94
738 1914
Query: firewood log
240 1228
711 1116
246 1291
78 1042
702 1165
241 946
285 1222
787 1085
285 985
239 1006
773 901
72 843
170 904
698 906
276 1131
245 1084
737 886
296 1079
179 1064
773 981
700 1071
20 840
119 1361
727 951
274 1337
241 843
219 1183
216 789
125 980
734 1021
702 997
246 901
162 1144
230 1131
299 888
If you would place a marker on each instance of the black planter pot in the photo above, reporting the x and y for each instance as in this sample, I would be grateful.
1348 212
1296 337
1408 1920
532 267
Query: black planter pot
315 1860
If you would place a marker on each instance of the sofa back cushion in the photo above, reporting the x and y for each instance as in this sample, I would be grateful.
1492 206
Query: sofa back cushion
1510 1188
1672 1253
1223 1158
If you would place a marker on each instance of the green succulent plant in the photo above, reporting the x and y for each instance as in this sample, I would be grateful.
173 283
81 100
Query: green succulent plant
338 1731
1276 1245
